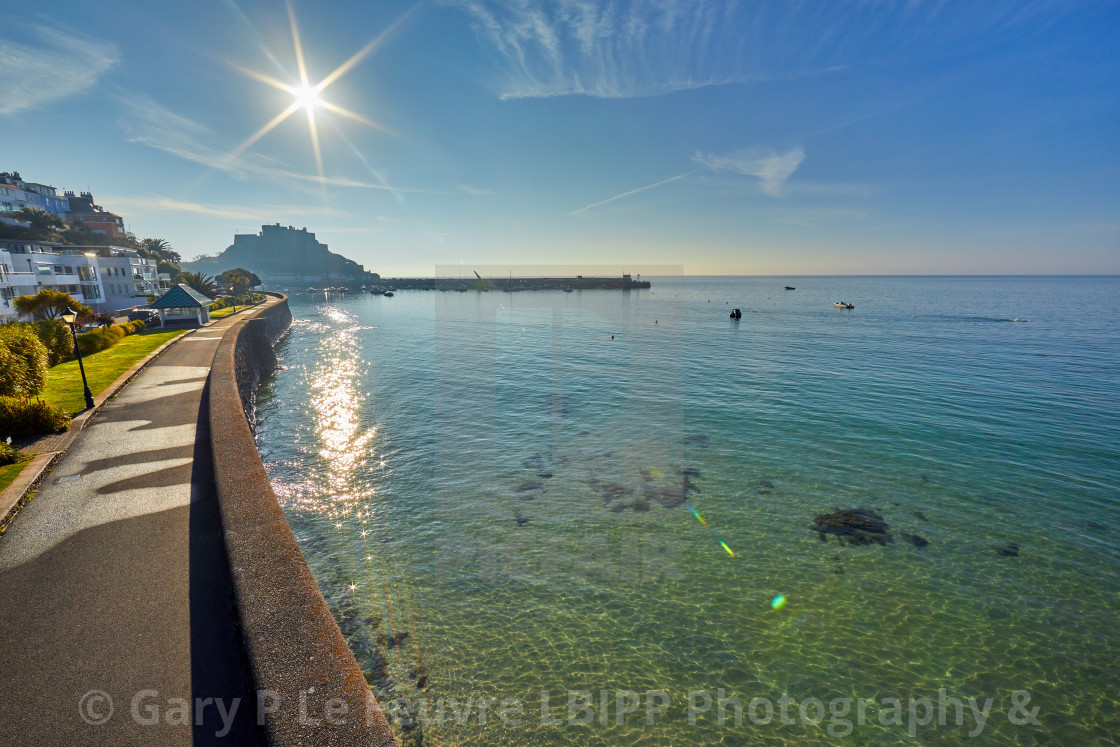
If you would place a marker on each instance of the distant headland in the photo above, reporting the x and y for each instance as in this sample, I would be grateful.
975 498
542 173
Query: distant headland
285 257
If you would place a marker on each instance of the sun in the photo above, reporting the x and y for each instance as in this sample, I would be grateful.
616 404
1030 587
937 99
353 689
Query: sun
307 97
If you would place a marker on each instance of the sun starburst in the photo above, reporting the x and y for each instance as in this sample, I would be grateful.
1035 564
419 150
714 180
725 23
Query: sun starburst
309 97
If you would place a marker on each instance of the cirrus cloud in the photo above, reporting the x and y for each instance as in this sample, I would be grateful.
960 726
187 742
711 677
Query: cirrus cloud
771 168
57 65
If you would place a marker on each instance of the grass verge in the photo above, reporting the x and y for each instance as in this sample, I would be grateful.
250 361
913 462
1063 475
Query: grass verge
9 472
226 311
64 381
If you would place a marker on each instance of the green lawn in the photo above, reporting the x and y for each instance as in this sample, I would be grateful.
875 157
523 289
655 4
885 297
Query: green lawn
226 311
64 381
9 472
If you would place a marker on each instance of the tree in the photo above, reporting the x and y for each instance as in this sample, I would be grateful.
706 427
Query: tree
204 284
49 304
239 281
42 223
168 268
159 249
226 277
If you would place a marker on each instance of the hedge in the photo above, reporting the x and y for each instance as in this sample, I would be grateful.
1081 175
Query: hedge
106 337
31 417
23 361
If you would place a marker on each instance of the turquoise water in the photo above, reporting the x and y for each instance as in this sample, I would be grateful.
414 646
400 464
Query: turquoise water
498 499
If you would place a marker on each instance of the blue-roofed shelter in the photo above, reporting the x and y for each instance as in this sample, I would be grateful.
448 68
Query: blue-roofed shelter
182 304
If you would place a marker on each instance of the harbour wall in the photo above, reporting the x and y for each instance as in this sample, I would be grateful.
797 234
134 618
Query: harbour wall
300 661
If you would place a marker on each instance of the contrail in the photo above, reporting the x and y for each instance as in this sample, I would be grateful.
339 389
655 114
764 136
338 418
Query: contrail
633 192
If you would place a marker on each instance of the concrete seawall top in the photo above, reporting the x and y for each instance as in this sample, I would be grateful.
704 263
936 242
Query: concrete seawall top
300 661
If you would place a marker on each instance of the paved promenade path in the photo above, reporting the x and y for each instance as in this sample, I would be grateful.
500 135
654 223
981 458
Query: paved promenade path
115 579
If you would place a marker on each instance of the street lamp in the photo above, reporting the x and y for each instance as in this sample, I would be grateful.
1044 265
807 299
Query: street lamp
70 317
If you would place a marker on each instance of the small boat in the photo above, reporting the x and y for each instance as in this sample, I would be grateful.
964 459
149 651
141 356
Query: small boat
736 314
790 288
843 305
388 294
567 290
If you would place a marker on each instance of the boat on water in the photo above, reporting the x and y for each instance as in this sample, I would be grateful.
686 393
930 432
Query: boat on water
567 290
843 305
736 314
388 294
790 288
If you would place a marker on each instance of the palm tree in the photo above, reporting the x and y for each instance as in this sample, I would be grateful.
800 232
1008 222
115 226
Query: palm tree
42 223
204 284
159 249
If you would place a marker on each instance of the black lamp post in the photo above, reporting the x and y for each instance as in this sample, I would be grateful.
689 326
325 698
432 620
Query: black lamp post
70 317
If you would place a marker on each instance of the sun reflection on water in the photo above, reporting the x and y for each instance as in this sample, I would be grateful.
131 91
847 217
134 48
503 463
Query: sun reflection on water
343 444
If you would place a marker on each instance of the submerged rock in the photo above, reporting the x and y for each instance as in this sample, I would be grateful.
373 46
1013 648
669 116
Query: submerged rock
521 519
697 440
1007 550
858 526
916 540
920 516
530 485
668 496
614 490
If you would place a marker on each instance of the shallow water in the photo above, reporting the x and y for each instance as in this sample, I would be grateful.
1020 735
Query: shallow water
494 476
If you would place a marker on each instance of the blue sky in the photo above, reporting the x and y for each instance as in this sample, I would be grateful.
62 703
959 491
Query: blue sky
727 138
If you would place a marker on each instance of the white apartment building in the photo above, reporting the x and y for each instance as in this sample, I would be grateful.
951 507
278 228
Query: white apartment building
105 278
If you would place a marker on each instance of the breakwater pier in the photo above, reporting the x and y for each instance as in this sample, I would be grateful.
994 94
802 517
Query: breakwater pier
507 284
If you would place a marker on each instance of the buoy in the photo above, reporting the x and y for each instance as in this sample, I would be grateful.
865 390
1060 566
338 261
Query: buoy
612 337
778 602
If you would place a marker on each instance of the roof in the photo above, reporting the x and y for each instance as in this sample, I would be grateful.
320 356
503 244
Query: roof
180 296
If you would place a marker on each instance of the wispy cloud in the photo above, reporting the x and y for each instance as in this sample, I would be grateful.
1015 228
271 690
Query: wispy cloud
640 48
771 168
625 48
474 191
157 204
152 125
631 192
60 64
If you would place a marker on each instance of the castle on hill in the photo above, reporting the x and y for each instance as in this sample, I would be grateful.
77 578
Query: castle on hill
283 257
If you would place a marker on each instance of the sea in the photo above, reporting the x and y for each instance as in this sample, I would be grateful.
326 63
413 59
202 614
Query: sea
610 517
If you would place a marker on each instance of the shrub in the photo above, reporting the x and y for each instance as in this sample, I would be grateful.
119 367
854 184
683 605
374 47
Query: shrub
100 339
56 336
23 366
31 417
9 454
218 304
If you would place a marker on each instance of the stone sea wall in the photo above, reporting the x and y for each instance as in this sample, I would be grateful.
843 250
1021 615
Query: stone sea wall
310 688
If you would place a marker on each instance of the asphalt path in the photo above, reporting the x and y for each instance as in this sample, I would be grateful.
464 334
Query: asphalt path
117 619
